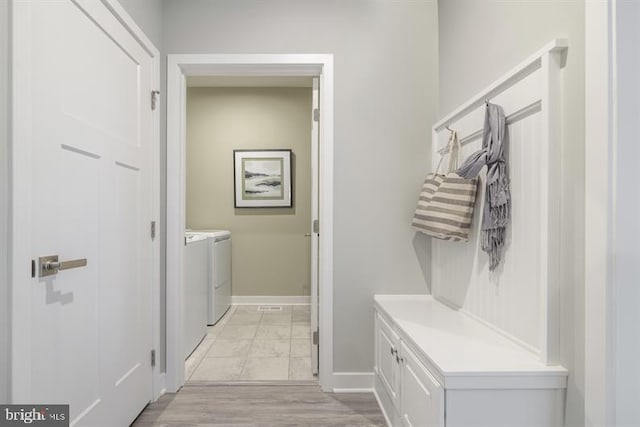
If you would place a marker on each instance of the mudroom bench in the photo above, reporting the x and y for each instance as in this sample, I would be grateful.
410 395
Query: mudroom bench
435 366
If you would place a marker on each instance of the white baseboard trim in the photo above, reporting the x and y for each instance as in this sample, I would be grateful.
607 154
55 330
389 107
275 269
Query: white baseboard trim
353 382
386 417
159 386
266 299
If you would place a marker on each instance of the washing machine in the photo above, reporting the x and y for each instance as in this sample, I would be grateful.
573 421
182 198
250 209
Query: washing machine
196 290
219 300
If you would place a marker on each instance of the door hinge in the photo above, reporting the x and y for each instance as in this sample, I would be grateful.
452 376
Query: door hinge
153 230
316 226
316 114
153 358
316 338
154 98
33 268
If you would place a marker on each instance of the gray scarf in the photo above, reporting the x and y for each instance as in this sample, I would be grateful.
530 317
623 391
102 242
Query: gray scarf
497 205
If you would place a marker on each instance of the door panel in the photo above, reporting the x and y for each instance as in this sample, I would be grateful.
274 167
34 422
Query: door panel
422 397
83 87
387 343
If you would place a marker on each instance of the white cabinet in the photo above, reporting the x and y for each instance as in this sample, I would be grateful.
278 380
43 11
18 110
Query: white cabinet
435 367
421 395
414 393
388 359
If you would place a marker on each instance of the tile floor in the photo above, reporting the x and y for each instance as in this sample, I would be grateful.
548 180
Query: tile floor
247 344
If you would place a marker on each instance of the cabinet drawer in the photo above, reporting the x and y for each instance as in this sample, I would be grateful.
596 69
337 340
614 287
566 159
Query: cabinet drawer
421 396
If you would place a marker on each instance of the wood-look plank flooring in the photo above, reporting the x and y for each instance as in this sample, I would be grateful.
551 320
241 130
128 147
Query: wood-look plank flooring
257 405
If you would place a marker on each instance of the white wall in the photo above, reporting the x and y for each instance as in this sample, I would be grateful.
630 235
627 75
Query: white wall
385 101
627 227
4 204
479 40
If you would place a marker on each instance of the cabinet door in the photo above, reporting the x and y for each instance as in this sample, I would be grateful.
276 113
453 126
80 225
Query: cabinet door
421 396
387 357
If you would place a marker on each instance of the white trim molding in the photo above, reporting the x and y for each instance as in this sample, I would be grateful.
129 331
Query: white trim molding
270 299
353 382
178 68
600 148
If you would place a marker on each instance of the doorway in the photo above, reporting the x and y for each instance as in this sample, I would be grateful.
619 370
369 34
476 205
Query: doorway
249 177
182 67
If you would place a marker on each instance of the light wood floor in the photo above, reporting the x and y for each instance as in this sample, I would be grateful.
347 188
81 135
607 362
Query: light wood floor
237 404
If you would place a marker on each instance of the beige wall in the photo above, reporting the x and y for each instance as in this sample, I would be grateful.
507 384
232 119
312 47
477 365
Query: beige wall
270 251
480 40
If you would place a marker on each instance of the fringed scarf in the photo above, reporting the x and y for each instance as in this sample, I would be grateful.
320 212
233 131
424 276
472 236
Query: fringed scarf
497 204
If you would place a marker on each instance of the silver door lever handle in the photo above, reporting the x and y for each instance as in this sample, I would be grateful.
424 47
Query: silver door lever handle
50 265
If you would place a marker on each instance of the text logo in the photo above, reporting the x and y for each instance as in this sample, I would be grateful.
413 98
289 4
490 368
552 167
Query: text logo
34 415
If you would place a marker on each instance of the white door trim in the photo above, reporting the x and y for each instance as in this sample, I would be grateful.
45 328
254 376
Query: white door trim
600 205
180 66
20 181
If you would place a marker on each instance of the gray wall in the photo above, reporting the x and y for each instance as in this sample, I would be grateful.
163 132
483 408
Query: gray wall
626 249
479 40
385 102
4 204
148 16
271 255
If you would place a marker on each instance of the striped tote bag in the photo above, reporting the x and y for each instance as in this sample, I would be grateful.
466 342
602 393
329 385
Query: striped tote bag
445 206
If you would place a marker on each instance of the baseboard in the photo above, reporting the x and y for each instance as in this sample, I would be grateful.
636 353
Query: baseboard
386 416
159 386
267 299
353 382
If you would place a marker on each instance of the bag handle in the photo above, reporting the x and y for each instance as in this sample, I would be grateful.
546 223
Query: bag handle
453 150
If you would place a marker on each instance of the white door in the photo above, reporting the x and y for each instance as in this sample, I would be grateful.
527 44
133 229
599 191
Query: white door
83 130
315 137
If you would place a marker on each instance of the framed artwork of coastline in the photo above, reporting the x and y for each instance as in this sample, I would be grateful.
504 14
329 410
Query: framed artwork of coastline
262 178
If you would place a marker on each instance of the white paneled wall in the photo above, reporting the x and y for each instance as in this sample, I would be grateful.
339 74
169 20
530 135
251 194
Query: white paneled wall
508 297
520 297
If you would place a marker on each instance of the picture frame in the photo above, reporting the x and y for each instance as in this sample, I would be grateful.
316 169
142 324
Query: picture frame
262 178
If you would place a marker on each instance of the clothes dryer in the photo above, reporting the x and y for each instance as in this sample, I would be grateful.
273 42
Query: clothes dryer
220 279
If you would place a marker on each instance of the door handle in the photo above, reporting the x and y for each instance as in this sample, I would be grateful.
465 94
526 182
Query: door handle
49 265
307 234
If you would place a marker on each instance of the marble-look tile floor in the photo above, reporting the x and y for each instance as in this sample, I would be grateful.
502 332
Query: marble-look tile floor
247 344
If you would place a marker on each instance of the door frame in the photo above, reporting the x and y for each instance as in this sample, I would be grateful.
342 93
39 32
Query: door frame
179 66
19 206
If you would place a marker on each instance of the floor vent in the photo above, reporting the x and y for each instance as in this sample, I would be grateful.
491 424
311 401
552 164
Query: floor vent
269 308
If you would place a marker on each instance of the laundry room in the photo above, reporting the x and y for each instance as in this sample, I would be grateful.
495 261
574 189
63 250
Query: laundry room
249 189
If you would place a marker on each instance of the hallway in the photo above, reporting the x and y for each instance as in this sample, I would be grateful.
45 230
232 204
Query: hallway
273 405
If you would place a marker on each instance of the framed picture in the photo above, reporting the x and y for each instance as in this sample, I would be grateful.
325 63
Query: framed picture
262 178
